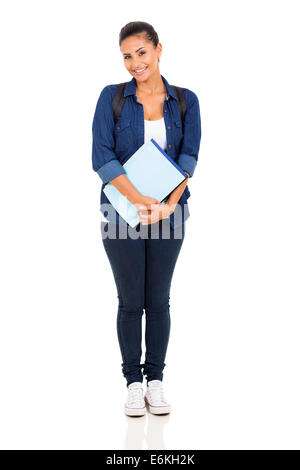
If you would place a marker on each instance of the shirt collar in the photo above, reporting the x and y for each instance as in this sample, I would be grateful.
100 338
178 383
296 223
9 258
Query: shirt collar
130 88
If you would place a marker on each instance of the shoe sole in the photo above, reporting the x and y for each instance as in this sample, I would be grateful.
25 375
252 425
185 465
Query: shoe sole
135 411
158 410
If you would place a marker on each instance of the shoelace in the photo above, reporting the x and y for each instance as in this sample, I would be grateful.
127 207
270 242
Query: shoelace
135 395
157 394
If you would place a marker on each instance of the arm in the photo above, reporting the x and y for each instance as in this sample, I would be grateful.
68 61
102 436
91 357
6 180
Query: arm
188 156
190 145
125 187
176 195
104 159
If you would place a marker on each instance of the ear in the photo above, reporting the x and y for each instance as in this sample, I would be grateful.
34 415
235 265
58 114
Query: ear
159 49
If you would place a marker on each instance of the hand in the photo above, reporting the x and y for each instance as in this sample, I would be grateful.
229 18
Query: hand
144 203
158 212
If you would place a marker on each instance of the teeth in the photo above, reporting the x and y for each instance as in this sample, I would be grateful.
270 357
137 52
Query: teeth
141 70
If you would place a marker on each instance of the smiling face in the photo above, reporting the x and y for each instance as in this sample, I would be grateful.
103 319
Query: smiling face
140 56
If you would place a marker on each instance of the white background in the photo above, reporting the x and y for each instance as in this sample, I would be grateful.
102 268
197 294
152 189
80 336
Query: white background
232 373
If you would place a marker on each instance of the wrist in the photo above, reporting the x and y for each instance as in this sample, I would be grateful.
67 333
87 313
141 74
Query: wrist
170 208
136 200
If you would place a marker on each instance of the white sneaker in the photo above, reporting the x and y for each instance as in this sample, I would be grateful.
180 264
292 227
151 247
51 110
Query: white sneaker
135 404
154 397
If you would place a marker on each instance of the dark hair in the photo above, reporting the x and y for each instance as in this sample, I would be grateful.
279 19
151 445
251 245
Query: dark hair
138 27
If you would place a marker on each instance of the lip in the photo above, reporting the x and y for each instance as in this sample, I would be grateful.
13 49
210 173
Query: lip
141 73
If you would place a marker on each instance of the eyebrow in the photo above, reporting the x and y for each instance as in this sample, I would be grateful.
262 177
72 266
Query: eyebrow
128 53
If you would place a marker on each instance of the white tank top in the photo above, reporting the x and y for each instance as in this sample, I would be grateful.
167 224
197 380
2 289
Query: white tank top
156 130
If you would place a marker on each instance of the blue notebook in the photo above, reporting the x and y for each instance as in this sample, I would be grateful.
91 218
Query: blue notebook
152 172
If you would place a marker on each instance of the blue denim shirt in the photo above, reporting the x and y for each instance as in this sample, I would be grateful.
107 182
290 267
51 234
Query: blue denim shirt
113 144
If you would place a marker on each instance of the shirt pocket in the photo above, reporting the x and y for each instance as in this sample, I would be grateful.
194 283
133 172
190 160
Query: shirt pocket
178 134
178 128
123 134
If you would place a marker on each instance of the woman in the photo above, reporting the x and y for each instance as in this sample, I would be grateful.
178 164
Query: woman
143 265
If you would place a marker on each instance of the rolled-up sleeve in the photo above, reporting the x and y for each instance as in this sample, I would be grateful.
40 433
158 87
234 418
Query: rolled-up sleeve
104 159
188 155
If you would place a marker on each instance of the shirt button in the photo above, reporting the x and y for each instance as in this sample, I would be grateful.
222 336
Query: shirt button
165 110
169 127
169 146
118 128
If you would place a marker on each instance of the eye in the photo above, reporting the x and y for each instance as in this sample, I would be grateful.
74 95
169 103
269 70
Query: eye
140 53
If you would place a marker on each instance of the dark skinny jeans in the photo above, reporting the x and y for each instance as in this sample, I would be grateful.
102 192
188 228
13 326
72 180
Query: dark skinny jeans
143 268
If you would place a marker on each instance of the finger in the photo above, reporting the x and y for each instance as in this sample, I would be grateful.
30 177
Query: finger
152 205
145 219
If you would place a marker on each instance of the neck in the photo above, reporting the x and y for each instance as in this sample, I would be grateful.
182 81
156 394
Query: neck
152 86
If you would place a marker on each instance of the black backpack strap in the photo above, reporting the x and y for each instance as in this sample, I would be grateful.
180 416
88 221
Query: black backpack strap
118 101
181 101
